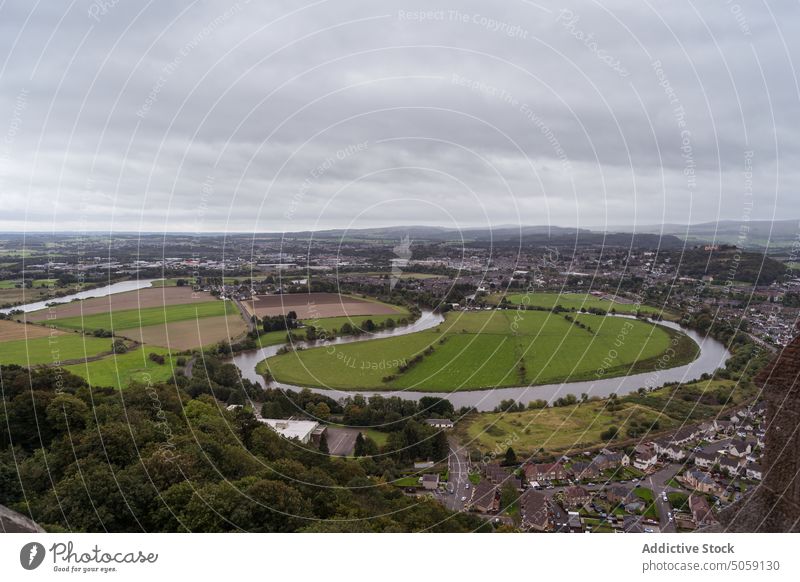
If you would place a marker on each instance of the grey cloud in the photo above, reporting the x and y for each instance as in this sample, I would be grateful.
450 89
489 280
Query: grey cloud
131 110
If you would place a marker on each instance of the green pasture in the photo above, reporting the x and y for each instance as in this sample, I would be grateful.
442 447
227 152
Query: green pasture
133 318
477 350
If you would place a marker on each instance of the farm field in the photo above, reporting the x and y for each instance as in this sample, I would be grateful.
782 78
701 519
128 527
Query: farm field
189 333
44 350
132 300
479 350
13 295
120 370
317 305
12 330
575 301
150 316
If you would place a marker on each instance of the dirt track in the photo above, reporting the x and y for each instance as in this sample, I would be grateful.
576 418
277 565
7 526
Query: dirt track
149 297
314 305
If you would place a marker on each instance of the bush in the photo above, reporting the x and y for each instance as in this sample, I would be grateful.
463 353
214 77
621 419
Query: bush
119 347
610 433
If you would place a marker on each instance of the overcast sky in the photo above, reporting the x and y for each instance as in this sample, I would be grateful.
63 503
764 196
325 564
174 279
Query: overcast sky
234 116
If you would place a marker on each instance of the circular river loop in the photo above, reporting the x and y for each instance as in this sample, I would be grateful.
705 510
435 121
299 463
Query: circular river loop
712 356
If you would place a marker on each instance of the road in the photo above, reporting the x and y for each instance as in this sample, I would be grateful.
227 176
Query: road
657 482
251 326
458 466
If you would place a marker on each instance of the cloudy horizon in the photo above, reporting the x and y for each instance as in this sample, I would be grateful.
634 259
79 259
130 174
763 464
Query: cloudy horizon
232 116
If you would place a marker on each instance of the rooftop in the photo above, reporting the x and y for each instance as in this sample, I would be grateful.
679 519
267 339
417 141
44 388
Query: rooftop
291 429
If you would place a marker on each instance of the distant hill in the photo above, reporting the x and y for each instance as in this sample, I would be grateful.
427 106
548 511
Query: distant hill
500 236
753 234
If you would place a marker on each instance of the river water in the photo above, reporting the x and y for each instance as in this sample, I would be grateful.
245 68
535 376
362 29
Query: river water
120 287
712 356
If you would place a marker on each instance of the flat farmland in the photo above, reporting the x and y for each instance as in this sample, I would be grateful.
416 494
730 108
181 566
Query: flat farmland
149 316
480 350
190 333
576 301
132 300
13 295
49 351
310 306
12 330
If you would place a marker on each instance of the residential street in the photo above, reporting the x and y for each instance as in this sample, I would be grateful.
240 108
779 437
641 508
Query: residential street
458 465
658 483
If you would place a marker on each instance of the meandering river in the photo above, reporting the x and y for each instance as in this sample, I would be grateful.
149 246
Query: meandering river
712 356
112 289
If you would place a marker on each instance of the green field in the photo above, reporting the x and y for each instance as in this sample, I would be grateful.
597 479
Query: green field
271 338
478 350
378 436
132 318
579 427
329 324
122 369
556 429
51 350
572 301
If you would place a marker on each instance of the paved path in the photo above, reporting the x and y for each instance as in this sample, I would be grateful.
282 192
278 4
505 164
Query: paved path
187 371
458 466
251 326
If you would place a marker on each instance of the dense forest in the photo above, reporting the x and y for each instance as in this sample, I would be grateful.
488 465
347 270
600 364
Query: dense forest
171 458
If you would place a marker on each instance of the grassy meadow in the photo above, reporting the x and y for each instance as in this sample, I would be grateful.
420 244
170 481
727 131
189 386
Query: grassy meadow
121 369
580 426
131 318
51 350
478 350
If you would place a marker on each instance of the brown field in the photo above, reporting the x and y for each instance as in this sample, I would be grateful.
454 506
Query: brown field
11 330
14 295
150 297
189 334
315 305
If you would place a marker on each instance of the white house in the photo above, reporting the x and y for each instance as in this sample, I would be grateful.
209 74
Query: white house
754 471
